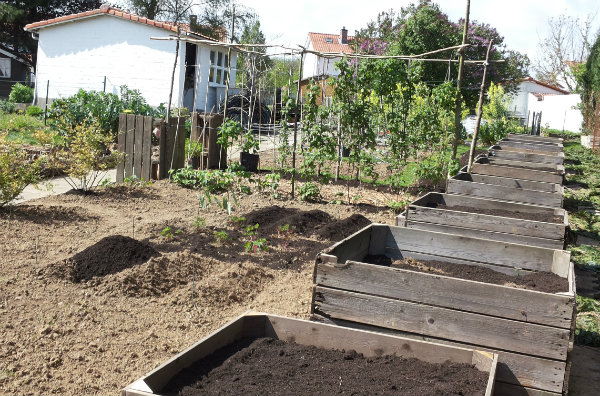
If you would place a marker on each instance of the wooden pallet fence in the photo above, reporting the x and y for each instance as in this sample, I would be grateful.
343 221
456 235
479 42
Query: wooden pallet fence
204 131
553 159
423 214
465 184
370 344
483 166
135 140
172 147
531 331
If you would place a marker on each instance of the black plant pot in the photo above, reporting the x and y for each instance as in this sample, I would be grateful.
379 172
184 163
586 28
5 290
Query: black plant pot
345 152
249 161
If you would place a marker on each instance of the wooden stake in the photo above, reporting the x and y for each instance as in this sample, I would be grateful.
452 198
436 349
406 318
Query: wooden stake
457 110
479 109
168 116
296 126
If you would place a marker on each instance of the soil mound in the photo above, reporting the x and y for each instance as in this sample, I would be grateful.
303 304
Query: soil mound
110 255
341 229
269 219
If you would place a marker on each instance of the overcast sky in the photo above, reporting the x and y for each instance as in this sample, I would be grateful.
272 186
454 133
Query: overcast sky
521 22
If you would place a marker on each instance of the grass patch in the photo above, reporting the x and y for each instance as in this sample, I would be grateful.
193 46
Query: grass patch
21 127
583 170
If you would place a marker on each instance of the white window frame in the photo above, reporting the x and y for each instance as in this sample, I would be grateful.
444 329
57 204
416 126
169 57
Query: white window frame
218 68
5 67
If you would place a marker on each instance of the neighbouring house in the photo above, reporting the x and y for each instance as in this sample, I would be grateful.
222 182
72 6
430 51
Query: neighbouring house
558 106
106 48
319 68
12 70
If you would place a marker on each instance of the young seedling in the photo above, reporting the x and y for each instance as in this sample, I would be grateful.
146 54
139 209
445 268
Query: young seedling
221 236
254 244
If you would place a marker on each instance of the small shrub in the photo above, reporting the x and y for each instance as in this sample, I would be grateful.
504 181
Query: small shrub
310 192
7 107
222 236
21 94
16 170
34 111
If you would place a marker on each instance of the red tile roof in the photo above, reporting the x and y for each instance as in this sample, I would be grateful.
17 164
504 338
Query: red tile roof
106 9
320 44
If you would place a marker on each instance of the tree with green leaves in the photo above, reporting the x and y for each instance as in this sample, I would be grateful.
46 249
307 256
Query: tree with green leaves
15 14
590 97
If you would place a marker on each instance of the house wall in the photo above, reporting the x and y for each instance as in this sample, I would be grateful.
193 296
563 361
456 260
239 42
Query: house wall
317 66
80 54
18 73
558 112
520 100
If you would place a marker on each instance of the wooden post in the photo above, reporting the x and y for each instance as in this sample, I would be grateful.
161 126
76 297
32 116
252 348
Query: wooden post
46 106
168 116
479 108
296 125
104 88
457 110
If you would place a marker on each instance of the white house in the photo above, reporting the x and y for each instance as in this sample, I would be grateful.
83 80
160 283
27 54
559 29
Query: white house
558 106
317 66
105 48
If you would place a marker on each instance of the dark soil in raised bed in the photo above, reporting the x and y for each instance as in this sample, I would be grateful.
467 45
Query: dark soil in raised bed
546 282
272 217
503 213
109 255
338 230
266 366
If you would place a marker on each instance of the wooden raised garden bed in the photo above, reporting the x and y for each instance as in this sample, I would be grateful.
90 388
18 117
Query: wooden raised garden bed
553 168
534 138
530 330
465 184
553 158
487 218
533 146
517 183
256 325
483 166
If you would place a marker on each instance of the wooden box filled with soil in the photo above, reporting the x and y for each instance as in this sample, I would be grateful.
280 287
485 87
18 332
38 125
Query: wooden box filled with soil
533 147
557 169
534 138
479 186
514 299
487 218
517 183
551 158
266 354
483 166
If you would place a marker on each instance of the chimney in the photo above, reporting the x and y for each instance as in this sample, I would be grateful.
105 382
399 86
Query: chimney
344 34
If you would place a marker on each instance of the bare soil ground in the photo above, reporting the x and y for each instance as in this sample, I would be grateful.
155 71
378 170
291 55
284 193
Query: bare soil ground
94 293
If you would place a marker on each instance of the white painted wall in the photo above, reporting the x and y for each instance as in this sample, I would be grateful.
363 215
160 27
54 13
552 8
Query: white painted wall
520 100
558 111
316 66
79 54
209 95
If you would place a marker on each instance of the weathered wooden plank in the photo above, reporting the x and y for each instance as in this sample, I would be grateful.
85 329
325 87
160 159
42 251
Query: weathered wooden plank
504 389
178 143
486 234
447 292
486 168
554 158
472 249
130 145
420 212
457 186
551 148
495 333
138 144
558 169
121 146
513 368
488 203
147 148
534 138
516 183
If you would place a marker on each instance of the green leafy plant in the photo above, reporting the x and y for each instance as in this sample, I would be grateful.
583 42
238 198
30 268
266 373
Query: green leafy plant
398 206
250 143
34 111
7 106
221 236
237 221
227 132
310 192
253 243
17 170
199 223
168 232
21 94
